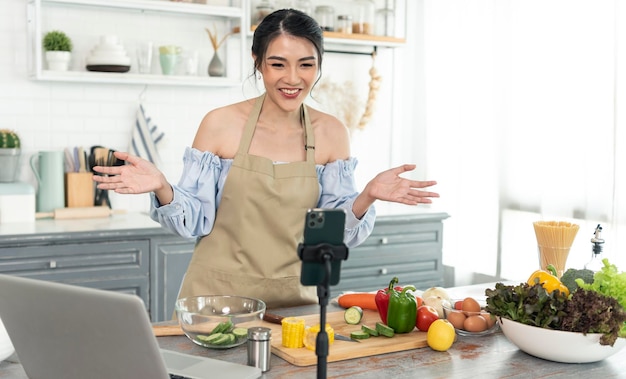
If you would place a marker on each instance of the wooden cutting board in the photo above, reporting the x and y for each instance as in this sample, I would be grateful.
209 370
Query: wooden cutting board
343 350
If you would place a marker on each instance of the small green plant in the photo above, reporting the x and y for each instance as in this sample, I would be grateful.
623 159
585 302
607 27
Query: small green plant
9 139
57 41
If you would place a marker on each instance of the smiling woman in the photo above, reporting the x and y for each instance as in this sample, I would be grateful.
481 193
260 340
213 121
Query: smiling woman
256 167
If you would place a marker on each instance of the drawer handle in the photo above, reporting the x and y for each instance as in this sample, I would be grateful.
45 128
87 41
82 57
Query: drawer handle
384 241
383 271
53 264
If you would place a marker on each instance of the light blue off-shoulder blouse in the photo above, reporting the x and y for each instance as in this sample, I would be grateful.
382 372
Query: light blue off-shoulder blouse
199 192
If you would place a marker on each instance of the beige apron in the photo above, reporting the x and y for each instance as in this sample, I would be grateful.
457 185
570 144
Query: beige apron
252 249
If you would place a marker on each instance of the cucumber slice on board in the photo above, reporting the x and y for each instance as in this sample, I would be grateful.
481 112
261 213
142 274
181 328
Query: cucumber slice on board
371 331
353 315
384 330
359 335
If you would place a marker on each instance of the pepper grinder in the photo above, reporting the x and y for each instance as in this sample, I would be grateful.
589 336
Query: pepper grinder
259 347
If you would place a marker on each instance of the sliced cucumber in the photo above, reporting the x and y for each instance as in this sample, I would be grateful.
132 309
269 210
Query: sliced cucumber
240 332
384 330
222 327
353 315
371 331
210 339
359 335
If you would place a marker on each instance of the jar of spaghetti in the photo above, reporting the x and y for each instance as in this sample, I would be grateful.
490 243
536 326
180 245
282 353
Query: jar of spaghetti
363 16
344 24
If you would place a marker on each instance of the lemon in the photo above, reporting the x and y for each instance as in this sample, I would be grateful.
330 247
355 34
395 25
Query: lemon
440 335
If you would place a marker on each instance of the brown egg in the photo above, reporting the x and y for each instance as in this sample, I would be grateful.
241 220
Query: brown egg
470 305
491 320
457 319
475 323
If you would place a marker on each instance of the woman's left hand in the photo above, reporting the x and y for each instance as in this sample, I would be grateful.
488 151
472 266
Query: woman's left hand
389 186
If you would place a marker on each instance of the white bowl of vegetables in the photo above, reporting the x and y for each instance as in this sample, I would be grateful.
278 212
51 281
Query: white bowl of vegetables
586 323
557 345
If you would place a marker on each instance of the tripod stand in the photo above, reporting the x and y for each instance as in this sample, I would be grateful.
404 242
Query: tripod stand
325 254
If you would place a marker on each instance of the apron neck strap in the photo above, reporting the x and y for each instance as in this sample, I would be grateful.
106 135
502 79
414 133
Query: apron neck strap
248 132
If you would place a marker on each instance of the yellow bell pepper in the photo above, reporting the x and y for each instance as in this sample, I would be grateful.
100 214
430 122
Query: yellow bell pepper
548 280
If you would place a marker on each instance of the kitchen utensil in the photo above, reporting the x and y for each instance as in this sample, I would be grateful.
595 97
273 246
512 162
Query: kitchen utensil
79 212
276 319
48 168
259 347
557 345
79 189
218 322
167 330
144 57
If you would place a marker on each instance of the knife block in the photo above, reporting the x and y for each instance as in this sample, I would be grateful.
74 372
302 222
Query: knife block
79 189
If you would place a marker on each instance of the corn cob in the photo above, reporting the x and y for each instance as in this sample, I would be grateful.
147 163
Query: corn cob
310 336
293 332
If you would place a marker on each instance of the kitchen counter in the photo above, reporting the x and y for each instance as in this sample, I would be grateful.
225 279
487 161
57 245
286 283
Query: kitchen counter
491 356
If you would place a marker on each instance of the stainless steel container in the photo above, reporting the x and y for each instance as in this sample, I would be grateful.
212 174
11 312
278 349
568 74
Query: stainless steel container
259 347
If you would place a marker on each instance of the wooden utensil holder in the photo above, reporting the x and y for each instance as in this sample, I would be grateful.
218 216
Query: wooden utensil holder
79 189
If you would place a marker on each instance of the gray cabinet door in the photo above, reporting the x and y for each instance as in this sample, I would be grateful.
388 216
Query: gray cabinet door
407 247
170 258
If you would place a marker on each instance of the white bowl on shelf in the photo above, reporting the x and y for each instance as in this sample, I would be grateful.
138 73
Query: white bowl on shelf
557 345
108 60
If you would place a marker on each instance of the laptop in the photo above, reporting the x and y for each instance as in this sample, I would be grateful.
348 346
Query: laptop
66 331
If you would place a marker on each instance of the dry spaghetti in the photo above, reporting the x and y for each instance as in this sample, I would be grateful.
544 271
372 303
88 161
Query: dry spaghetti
555 239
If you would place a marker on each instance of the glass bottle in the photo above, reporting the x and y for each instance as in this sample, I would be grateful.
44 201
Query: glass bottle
325 16
344 24
595 264
363 17
385 21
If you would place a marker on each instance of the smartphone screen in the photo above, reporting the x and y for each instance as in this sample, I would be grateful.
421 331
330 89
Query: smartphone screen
322 226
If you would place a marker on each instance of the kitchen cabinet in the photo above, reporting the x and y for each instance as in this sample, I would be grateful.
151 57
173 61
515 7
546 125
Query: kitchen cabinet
133 254
124 253
405 246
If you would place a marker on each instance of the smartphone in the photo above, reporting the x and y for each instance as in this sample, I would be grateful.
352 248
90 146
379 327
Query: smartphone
322 226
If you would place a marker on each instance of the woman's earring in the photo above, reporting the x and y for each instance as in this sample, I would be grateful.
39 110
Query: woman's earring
258 75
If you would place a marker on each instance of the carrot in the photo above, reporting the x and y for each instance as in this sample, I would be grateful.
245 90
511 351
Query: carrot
362 299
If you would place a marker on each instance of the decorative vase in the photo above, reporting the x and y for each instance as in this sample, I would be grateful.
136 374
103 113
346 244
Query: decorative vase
58 60
9 161
216 67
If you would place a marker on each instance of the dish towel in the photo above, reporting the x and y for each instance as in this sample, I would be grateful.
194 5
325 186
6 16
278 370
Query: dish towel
145 138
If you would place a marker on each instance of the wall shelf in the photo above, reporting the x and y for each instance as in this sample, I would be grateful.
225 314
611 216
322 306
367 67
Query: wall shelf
235 17
231 15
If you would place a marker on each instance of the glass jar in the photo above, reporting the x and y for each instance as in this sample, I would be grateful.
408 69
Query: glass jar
304 6
325 16
263 9
344 24
385 25
363 16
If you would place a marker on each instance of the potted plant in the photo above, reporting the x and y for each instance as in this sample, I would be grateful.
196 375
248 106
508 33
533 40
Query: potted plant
9 155
58 47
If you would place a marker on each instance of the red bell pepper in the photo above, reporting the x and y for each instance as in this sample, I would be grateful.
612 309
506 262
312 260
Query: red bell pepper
382 299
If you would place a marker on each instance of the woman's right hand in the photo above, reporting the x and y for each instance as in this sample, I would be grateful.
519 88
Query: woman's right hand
136 176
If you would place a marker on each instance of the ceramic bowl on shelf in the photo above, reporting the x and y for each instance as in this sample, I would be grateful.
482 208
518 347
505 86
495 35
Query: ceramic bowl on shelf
108 56
219 322
466 323
557 345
